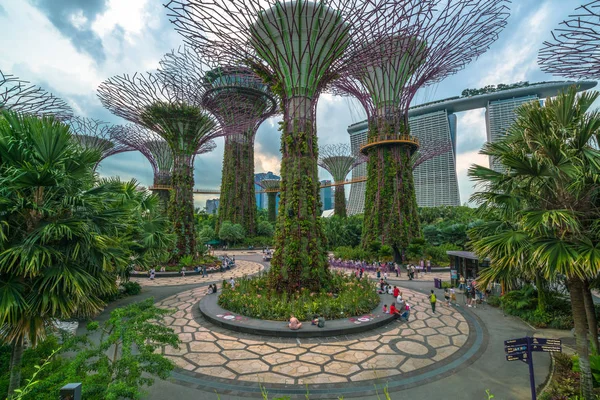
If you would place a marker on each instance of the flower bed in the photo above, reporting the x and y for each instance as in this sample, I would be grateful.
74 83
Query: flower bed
251 297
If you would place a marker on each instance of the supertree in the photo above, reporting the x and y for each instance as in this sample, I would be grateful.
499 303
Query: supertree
22 97
158 153
96 135
297 48
171 107
574 50
338 160
419 51
272 188
241 101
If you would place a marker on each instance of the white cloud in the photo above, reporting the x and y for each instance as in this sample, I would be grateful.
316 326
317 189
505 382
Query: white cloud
78 20
463 163
131 15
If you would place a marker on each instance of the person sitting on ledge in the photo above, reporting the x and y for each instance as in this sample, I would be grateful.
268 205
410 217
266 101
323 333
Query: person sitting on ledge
215 288
321 321
315 320
294 323
210 289
394 311
385 309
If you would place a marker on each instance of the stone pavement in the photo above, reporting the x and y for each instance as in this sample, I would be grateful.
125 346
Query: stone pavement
213 358
242 267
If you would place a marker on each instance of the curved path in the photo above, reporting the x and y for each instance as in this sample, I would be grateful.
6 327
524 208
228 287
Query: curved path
242 267
399 355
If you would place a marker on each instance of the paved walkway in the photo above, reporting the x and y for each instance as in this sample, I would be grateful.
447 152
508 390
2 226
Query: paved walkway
242 267
465 377
218 358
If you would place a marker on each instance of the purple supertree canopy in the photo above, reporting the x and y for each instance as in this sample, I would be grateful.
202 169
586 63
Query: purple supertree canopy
153 147
257 33
574 51
429 149
133 96
238 98
420 51
96 135
22 97
338 160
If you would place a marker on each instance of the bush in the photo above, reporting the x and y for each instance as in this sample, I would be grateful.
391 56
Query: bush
348 297
447 285
523 303
494 301
131 288
264 228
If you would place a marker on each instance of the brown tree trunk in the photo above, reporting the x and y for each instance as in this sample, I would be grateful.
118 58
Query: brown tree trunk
340 202
15 366
576 287
590 312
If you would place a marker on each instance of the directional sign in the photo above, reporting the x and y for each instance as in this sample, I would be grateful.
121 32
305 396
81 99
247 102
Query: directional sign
515 342
515 349
546 348
517 357
549 342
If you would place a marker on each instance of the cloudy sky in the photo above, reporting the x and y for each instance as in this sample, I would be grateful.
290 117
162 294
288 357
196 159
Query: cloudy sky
70 46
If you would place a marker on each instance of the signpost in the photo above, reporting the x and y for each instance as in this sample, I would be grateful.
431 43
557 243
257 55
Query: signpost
520 349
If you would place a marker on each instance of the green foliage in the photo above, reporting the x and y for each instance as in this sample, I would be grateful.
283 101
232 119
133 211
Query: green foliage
349 253
346 297
300 258
565 381
238 200
343 231
258 241
523 303
390 204
231 233
594 365
265 228
121 363
494 301
132 288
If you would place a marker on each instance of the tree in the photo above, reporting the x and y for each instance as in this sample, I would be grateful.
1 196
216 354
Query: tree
61 249
547 203
231 233
265 229
123 360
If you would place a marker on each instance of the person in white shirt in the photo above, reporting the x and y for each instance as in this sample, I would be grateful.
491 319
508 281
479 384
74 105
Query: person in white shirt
232 282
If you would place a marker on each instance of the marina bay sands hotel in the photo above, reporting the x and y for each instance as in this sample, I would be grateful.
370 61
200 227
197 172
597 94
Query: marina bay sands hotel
435 179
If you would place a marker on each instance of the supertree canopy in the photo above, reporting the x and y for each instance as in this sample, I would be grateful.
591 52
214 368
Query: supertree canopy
20 96
272 187
574 50
338 160
96 135
241 101
436 40
158 153
297 47
169 106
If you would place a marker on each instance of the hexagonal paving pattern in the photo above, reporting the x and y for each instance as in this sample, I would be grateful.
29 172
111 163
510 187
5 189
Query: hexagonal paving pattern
398 348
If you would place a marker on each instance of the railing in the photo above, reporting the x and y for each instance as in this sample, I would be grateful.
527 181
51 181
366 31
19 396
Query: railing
390 139
217 191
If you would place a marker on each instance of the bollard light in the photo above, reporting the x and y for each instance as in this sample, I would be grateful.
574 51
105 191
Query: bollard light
71 391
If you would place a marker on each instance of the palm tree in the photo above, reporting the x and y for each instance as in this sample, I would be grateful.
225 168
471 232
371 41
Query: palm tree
546 201
60 248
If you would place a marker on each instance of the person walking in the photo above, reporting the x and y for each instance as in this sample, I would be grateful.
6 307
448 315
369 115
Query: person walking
152 273
204 274
432 300
447 297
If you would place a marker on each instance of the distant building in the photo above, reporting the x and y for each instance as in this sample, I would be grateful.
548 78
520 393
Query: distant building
261 198
326 196
212 206
499 116
435 180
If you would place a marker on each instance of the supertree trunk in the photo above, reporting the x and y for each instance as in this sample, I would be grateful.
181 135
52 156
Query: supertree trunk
238 201
162 194
339 207
272 206
300 260
391 216
181 206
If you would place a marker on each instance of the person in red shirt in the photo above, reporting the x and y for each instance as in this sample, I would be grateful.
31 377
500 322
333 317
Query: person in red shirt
396 291
394 310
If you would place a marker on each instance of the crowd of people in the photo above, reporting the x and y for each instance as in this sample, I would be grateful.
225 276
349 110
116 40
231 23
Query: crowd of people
359 267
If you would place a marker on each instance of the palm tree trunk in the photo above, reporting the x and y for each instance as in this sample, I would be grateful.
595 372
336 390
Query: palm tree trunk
541 292
16 358
590 311
581 330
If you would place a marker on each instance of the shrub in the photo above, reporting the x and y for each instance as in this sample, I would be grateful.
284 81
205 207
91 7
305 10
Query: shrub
264 228
347 297
447 285
494 301
131 288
